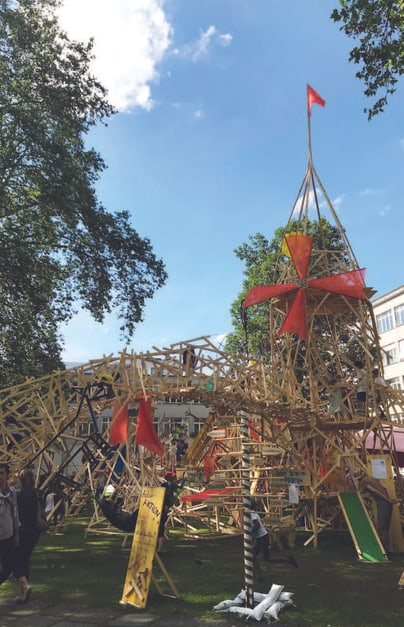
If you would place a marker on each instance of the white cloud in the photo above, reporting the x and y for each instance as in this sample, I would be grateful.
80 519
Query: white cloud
200 48
225 40
310 200
338 201
199 114
84 338
131 38
369 192
220 340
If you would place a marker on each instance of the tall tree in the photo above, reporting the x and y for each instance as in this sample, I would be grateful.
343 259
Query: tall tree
58 245
378 25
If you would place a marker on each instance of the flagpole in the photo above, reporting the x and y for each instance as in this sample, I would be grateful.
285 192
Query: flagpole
310 157
312 97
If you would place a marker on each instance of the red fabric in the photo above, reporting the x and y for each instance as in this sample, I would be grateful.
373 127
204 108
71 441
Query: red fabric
118 430
209 462
346 284
264 292
205 494
300 250
313 98
295 321
145 432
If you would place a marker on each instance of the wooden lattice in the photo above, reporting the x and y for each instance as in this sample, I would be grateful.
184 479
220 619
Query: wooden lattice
295 438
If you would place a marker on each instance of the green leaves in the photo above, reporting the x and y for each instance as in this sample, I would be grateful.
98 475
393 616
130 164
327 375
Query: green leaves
378 25
58 245
264 263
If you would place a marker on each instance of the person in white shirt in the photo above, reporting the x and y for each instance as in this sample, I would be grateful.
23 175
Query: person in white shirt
261 545
50 504
380 387
9 524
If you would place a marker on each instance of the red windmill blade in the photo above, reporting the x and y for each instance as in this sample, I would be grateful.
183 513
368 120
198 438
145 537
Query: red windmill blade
350 284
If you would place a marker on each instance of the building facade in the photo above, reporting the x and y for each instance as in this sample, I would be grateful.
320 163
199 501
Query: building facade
389 313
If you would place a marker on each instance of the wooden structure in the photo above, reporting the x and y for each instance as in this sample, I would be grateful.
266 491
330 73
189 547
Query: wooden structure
301 441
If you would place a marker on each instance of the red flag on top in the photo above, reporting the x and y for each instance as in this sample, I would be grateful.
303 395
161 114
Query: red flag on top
313 98
146 434
118 430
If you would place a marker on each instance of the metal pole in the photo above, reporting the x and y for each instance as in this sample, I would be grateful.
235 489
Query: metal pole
248 542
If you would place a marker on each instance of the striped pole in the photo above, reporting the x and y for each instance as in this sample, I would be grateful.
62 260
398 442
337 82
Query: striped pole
248 542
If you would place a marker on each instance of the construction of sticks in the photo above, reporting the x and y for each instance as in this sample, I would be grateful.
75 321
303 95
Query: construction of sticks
308 429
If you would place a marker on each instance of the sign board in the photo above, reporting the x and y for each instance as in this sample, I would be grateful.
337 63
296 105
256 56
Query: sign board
138 575
268 449
217 434
283 477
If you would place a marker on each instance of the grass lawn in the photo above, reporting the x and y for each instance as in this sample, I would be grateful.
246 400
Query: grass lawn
331 586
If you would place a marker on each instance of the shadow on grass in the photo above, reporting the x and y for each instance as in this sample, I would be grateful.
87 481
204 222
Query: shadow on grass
331 586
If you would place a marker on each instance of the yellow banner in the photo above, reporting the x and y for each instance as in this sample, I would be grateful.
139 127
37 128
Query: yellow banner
138 576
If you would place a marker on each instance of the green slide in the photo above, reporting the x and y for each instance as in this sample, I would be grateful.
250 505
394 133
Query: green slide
363 533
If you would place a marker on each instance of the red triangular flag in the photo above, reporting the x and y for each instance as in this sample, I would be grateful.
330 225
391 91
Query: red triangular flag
118 430
313 98
145 432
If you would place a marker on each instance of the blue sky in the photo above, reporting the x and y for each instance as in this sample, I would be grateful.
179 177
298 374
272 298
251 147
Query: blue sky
210 146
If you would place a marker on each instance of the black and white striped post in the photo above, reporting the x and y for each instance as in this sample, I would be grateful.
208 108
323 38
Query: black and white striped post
248 541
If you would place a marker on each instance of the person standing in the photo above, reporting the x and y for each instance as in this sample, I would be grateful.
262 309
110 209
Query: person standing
261 546
50 506
9 523
361 386
380 387
28 503
170 484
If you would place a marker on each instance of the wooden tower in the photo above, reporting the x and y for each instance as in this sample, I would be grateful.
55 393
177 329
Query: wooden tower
323 349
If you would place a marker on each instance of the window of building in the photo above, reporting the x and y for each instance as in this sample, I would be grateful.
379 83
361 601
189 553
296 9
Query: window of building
106 423
401 350
384 321
389 355
395 383
86 429
399 314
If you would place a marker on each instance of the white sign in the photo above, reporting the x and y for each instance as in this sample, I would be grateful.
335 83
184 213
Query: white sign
379 469
293 493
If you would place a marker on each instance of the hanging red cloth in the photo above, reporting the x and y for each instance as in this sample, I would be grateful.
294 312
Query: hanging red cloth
118 430
146 434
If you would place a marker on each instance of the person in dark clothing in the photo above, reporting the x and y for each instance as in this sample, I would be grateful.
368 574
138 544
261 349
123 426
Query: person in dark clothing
28 502
170 484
